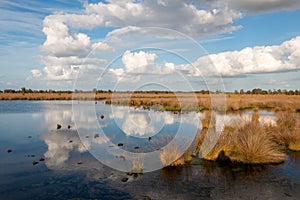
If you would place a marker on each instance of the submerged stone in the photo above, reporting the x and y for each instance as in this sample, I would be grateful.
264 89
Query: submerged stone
58 126
35 162
124 179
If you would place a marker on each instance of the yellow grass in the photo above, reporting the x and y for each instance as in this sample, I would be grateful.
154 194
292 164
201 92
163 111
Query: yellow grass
287 132
254 145
173 101
249 142
171 156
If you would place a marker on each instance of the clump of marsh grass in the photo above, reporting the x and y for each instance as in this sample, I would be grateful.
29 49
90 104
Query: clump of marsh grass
224 143
208 122
137 167
208 138
253 144
171 156
209 119
248 142
287 133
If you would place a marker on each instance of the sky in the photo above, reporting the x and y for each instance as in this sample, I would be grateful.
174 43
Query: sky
150 44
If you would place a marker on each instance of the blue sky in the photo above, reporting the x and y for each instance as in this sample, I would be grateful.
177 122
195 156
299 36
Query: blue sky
201 44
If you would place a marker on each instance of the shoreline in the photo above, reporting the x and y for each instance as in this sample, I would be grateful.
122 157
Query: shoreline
171 101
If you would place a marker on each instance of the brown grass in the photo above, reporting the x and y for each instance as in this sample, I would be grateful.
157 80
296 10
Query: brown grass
234 102
224 142
253 144
171 156
137 167
249 142
287 132
171 101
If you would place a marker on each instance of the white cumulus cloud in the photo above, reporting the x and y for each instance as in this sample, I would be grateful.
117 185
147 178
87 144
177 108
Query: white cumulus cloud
259 59
183 16
138 64
138 61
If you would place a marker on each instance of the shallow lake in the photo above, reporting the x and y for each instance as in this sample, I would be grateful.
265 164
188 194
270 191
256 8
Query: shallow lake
80 161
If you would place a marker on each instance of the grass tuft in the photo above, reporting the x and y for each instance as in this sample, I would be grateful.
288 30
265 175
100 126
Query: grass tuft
171 156
249 142
287 133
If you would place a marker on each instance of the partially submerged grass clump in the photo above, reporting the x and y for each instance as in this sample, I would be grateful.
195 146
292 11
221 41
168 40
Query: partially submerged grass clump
249 142
137 167
223 143
287 133
171 156
254 145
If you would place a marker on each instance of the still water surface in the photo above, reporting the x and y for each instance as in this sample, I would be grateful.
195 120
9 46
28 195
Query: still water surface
71 169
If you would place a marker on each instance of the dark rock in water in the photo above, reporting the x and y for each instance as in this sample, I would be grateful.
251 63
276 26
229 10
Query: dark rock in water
69 126
124 179
87 136
32 155
120 144
96 135
29 136
35 162
102 116
79 163
287 194
222 159
135 175
70 141
136 147
96 102
149 138
58 126
42 159
9 150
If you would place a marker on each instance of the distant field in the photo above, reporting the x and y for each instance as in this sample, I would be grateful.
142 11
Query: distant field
173 102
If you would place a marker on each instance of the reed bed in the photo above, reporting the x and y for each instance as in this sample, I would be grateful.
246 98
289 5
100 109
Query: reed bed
173 101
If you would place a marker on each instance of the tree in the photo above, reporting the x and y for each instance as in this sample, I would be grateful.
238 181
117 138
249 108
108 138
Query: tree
23 90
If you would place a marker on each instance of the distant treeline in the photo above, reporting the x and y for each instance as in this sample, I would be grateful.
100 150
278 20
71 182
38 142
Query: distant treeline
253 91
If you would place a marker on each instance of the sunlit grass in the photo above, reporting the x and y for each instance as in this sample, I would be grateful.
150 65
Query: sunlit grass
171 156
254 145
287 132
248 142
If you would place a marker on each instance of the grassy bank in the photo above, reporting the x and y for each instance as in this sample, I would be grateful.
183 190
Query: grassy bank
172 101
200 102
